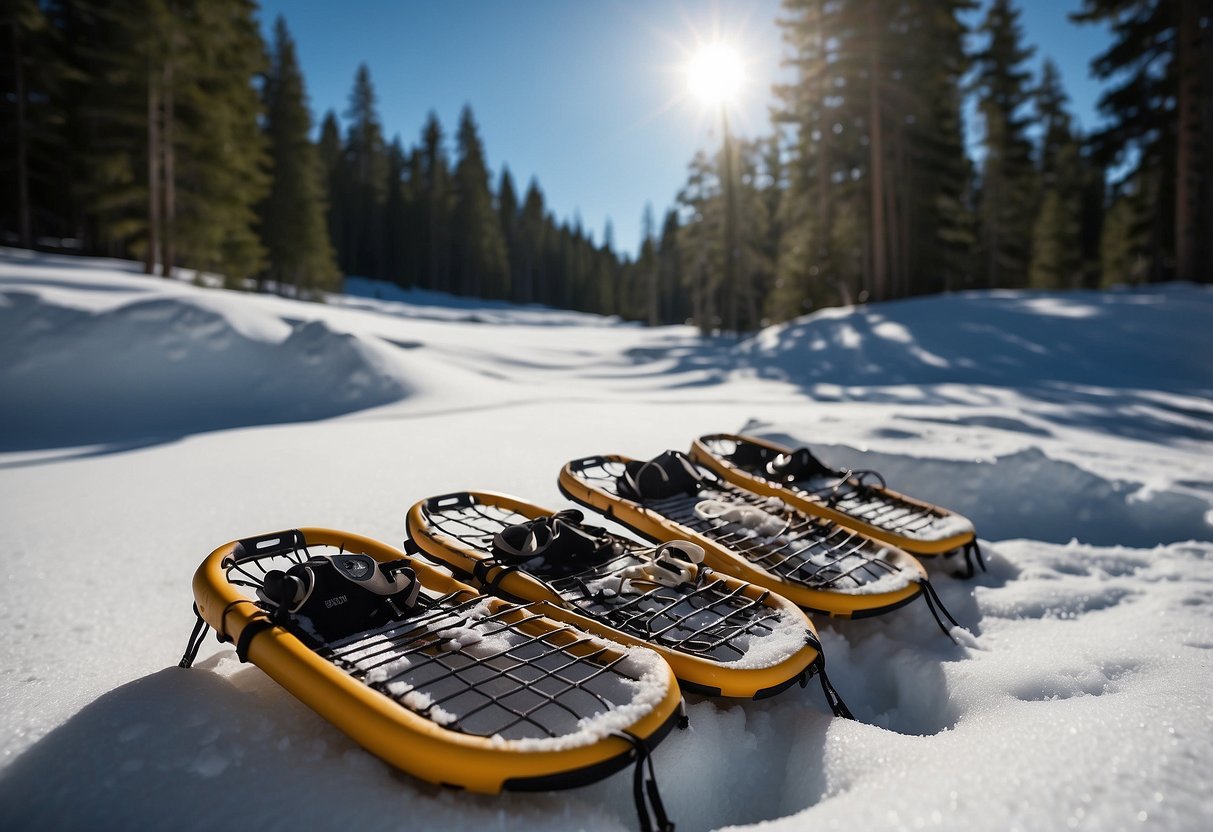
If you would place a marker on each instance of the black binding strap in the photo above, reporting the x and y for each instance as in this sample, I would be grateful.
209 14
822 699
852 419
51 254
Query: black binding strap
665 475
643 788
972 550
195 642
837 706
935 605
251 629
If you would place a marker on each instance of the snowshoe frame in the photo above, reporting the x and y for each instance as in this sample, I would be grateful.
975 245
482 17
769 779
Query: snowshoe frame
547 666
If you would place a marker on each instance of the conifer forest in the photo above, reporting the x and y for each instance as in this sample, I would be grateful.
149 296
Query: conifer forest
172 132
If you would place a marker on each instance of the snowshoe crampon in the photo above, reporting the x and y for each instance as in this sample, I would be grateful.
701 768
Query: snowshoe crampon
856 499
453 687
721 635
813 562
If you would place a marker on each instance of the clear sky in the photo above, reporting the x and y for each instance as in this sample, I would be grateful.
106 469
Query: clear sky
588 96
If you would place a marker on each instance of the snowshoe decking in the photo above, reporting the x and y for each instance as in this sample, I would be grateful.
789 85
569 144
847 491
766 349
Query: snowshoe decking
846 497
453 687
811 561
722 636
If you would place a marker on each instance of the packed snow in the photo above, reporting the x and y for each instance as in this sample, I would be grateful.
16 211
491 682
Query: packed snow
144 421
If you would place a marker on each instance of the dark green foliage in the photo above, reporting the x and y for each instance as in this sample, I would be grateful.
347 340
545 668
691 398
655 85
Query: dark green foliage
1008 182
293 228
478 257
1159 107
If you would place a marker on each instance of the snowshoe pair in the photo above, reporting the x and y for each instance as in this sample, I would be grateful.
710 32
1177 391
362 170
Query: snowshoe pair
451 686
759 537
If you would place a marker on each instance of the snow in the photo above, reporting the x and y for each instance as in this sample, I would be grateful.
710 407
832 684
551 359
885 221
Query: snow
145 421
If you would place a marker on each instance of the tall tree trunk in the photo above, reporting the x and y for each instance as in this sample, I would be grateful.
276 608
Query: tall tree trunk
1188 138
23 209
170 189
153 170
876 157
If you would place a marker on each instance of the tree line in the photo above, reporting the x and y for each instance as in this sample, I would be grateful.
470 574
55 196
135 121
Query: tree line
169 131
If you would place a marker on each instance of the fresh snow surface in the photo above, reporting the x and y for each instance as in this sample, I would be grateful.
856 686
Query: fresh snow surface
144 422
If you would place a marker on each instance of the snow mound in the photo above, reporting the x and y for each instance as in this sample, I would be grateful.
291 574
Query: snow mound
170 366
1112 339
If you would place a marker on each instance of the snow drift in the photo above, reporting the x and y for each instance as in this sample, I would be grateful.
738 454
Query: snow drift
170 366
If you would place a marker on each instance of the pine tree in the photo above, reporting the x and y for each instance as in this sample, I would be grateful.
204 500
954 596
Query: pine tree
1007 197
1057 250
648 269
332 164
1160 108
365 156
293 228
510 219
435 208
394 255
672 306
478 259
536 233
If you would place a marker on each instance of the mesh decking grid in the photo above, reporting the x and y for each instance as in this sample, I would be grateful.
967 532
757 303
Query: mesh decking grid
506 679
707 620
848 496
812 552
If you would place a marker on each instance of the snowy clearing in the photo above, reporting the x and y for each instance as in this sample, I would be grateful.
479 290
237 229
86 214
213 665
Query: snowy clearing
143 422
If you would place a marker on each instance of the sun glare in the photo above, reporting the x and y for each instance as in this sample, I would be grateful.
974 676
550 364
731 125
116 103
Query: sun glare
715 73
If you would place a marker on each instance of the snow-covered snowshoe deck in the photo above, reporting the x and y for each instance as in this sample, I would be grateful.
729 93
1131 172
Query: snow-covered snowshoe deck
856 499
463 690
816 563
722 636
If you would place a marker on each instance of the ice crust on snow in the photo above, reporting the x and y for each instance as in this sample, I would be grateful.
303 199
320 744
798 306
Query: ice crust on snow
1074 430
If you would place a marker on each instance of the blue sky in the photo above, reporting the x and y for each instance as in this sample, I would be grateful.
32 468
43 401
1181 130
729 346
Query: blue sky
589 96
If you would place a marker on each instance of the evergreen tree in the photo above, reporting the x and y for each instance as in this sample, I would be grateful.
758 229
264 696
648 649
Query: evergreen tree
332 164
536 233
1160 109
1008 192
647 267
394 255
365 157
293 228
1057 250
510 219
435 199
478 259
672 306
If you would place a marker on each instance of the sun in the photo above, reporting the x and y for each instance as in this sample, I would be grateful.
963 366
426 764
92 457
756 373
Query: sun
715 73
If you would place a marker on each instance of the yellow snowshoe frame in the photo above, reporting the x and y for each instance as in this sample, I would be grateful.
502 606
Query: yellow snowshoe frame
393 732
655 526
702 454
697 674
